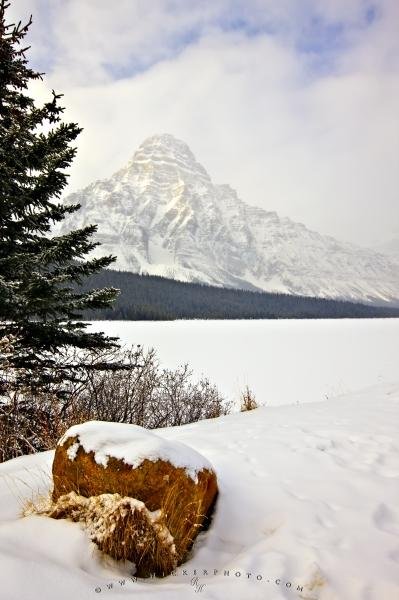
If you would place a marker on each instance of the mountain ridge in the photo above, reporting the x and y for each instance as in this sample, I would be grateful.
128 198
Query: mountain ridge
161 214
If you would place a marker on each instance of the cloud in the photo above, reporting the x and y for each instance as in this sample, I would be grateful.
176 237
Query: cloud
292 103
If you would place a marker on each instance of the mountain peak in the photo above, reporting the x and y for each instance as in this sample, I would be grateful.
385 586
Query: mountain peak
163 215
165 144
165 149
164 139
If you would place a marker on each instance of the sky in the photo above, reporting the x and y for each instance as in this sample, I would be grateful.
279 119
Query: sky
294 103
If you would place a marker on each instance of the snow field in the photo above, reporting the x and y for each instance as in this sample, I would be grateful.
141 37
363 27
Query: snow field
309 491
308 499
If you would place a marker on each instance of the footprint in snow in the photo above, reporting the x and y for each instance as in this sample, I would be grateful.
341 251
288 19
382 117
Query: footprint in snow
386 520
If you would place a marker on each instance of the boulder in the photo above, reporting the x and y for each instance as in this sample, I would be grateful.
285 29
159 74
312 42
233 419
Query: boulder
98 457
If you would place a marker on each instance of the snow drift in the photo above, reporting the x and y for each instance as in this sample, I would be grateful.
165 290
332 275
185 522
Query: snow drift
307 509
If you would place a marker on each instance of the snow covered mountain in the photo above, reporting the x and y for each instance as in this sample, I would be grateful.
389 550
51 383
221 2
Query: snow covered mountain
390 248
161 214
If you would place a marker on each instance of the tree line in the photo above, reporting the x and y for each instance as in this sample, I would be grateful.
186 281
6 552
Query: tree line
154 298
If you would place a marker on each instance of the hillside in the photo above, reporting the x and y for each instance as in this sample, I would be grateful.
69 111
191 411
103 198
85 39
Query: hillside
148 297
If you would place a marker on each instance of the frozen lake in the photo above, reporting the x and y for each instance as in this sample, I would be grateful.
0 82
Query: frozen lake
282 361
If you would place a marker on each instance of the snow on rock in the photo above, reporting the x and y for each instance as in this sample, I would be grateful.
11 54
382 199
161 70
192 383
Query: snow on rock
307 509
99 458
133 445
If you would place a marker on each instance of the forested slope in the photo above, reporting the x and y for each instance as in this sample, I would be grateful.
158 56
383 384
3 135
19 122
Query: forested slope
147 297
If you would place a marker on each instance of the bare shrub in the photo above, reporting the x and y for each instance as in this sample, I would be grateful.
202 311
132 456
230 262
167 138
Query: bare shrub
139 391
248 401
31 424
145 394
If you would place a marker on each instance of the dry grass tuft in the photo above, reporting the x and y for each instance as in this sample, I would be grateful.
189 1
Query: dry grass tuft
123 528
40 505
185 519
248 401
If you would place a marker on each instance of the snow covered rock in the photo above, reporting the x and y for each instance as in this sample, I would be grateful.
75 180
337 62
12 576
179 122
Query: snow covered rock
98 457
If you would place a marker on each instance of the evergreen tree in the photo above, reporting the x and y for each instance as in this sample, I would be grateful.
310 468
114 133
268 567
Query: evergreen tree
39 303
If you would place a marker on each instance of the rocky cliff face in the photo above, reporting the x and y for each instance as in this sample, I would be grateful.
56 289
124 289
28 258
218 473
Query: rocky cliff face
161 214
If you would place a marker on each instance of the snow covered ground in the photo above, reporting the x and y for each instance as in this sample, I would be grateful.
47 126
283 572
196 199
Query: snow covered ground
283 361
308 505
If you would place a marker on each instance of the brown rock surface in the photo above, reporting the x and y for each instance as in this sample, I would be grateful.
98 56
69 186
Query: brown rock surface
186 501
